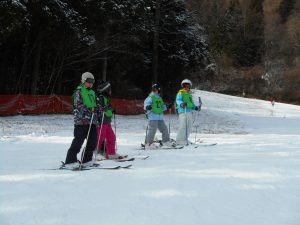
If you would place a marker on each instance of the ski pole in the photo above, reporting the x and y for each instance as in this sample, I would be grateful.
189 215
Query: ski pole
86 141
146 136
186 128
197 115
100 131
115 124
170 111
196 133
200 103
104 148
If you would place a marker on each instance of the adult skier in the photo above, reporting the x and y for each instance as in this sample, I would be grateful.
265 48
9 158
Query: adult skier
85 120
154 108
104 129
185 107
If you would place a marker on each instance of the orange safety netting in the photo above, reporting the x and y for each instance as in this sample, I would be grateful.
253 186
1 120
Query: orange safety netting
42 104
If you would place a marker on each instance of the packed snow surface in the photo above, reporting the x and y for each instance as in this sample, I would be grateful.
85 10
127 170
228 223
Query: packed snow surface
252 175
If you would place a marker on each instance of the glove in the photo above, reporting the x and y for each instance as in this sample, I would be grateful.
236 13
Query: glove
148 107
183 105
104 108
198 108
169 106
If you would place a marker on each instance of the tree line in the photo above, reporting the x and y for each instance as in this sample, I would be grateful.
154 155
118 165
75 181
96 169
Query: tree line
45 45
228 46
255 46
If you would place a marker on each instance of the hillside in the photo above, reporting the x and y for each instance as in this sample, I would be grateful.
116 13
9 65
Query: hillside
250 177
255 46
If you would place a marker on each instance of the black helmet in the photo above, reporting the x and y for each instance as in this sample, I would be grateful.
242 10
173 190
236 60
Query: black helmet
103 87
155 87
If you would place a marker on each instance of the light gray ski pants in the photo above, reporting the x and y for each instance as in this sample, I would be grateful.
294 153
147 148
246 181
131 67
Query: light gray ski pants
185 128
153 125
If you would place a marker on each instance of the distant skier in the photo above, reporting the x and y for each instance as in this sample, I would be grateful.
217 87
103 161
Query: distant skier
104 129
244 94
84 101
272 101
154 108
185 107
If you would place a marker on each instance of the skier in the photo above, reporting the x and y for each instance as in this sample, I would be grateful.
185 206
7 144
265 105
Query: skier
185 107
272 100
84 101
154 108
104 128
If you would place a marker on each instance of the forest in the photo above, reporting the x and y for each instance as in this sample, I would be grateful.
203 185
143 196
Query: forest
239 47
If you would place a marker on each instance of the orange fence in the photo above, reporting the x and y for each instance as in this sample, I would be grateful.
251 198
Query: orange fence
42 104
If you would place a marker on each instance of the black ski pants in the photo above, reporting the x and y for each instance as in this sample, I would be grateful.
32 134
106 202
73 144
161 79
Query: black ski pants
80 133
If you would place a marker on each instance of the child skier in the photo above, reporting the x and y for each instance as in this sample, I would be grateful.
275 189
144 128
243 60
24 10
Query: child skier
84 102
185 107
104 128
154 108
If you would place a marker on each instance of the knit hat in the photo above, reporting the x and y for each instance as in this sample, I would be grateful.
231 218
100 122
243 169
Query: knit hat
103 86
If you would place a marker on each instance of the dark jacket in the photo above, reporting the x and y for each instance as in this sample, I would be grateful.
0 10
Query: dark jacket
82 115
102 108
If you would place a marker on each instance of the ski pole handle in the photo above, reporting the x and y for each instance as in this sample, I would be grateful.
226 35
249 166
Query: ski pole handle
200 103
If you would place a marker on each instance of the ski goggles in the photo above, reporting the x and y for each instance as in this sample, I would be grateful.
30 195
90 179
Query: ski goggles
90 80
186 85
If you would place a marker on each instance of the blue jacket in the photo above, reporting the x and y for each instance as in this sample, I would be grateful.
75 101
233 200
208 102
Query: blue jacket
151 115
179 100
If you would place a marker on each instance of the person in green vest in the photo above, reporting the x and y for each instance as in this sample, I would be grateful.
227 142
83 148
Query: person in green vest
154 108
84 100
104 129
185 107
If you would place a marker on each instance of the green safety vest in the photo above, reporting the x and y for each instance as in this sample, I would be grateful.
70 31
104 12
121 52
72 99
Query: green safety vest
108 112
88 96
157 104
187 97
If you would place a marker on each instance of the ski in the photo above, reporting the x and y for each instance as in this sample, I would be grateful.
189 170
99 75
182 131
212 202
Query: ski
163 148
205 145
175 147
95 166
111 168
142 157
87 168
198 143
132 158
91 168
125 159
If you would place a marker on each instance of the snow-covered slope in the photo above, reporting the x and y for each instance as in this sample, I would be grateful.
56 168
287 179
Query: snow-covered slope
252 176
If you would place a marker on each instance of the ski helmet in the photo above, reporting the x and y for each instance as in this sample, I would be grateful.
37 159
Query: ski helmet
103 86
87 77
186 81
155 87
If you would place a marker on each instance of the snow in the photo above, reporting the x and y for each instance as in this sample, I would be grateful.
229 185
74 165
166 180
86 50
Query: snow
252 176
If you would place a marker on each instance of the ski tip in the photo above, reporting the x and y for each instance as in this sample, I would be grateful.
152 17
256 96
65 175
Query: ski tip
126 167
115 168
146 157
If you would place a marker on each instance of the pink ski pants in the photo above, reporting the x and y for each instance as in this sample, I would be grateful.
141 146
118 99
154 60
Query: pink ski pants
107 133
